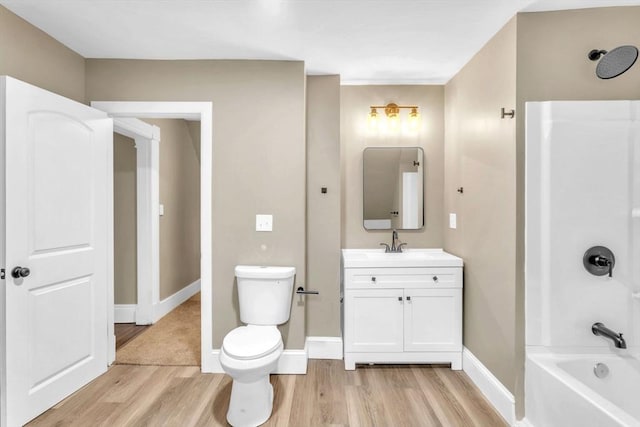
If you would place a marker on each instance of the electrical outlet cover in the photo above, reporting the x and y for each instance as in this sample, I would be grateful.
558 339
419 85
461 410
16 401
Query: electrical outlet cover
264 222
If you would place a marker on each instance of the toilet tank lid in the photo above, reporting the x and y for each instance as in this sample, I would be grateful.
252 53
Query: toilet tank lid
264 272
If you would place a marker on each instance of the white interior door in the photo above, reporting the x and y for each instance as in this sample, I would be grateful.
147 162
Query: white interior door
57 214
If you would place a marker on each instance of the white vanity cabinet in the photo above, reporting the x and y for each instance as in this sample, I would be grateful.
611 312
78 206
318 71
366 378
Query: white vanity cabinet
402 314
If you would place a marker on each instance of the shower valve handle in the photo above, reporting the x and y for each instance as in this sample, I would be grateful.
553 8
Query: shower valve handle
602 261
599 261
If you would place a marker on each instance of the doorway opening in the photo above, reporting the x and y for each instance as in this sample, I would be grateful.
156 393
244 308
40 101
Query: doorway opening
149 206
161 164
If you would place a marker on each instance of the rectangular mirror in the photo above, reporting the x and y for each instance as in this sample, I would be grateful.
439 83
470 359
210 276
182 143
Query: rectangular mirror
393 188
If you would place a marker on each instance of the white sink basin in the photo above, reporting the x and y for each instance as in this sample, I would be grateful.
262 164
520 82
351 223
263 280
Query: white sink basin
367 258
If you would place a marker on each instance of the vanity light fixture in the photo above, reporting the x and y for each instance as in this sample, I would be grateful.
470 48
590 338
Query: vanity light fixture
392 112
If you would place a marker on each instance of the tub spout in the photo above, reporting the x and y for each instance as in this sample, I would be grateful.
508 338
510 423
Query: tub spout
599 329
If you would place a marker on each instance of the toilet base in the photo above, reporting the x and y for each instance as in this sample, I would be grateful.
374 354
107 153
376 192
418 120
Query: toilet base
251 403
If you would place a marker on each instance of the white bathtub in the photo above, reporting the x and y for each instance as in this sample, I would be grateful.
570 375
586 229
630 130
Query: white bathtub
562 390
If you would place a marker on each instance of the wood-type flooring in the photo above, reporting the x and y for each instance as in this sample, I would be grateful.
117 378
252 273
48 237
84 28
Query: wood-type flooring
125 332
392 395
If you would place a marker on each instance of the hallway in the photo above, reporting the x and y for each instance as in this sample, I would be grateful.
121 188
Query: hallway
172 341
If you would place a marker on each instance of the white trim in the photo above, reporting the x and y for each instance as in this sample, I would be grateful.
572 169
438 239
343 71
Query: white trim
374 82
124 313
148 227
134 128
496 393
168 304
111 333
324 347
202 111
523 423
214 362
3 259
291 362
127 313
147 140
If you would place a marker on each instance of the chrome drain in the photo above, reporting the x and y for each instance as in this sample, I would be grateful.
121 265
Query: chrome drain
601 370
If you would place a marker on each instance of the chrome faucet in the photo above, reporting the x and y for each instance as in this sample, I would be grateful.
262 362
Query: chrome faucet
394 248
599 329
394 239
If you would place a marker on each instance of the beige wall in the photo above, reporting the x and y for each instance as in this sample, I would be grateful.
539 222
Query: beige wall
124 220
180 195
355 137
553 65
31 55
194 133
323 210
480 157
258 160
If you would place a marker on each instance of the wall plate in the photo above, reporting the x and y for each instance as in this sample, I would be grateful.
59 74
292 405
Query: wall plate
264 222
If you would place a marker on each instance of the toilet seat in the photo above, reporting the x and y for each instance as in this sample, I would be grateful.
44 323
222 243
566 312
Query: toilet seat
251 342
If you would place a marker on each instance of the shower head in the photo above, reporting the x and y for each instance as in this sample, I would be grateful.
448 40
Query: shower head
614 62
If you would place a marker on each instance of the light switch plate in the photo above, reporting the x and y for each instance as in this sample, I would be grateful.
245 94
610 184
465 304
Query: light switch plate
264 222
453 222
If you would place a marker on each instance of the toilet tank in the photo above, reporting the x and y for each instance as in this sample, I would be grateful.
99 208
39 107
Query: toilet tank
265 294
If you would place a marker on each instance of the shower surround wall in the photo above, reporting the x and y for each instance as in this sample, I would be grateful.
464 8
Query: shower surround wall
582 190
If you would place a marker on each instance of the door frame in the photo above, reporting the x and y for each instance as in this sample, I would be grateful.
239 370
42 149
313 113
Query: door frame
147 141
202 111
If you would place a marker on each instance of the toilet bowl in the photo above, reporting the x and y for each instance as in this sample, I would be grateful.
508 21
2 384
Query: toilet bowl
249 354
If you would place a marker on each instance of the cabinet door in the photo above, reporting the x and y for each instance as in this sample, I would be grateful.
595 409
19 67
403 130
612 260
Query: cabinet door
433 320
373 320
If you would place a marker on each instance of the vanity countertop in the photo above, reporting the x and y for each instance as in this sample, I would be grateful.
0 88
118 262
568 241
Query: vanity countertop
372 258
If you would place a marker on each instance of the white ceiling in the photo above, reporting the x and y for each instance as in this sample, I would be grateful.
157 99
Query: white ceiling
365 41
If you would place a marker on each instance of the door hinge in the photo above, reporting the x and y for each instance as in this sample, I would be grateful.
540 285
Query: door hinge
1 273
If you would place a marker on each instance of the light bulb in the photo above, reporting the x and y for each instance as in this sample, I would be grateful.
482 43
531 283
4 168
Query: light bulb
414 119
373 119
393 121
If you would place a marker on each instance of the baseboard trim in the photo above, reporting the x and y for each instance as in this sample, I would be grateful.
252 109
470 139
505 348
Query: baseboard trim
496 393
291 362
324 348
168 304
523 423
124 313
211 363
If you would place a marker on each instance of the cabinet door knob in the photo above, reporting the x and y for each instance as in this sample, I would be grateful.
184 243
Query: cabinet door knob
400 299
373 279
408 298
435 278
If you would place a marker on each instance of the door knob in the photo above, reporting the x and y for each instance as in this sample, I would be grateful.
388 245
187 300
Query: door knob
18 272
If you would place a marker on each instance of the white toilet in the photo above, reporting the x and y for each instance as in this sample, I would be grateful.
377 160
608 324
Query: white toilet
250 353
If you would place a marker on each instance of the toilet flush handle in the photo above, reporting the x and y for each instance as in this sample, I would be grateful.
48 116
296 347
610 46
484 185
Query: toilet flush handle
301 291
